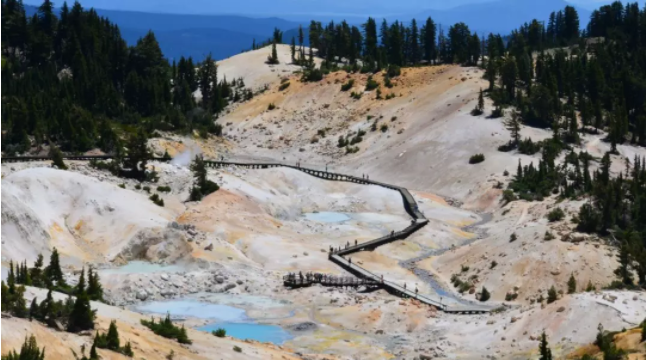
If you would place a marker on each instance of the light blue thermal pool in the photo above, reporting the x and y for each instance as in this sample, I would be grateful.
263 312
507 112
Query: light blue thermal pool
327 216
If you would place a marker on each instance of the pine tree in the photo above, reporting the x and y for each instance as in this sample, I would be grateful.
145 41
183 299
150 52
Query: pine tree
93 353
36 272
28 351
513 124
81 316
34 311
544 350
94 290
623 272
552 295
293 50
112 338
572 284
57 157
273 59
137 156
53 272
80 286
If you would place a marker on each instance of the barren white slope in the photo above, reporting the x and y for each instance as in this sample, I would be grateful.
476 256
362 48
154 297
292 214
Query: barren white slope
84 218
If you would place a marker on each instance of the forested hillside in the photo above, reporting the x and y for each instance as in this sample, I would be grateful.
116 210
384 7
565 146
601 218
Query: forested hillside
73 81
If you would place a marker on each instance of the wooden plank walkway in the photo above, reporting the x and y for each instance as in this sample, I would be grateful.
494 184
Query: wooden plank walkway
365 277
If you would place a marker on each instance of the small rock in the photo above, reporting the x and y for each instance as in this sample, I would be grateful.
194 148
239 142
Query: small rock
561 309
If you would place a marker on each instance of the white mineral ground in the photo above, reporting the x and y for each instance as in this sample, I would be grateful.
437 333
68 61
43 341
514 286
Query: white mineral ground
233 247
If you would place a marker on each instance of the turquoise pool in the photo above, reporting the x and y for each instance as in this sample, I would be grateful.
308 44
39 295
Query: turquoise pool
259 332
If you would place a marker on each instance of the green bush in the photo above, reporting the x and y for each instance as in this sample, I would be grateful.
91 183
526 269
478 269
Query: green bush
387 82
465 268
485 295
356 95
384 128
167 329
394 118
221 333
390 96
164 189
513 237
556 214
238 349
147 189
312 75
477 158
493 264
348 85
157 200
284 86
138 187
371 84
548 236
393 71
351 149
271 107
122 185
552 295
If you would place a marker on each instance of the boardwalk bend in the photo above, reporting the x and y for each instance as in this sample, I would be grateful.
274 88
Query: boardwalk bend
364 276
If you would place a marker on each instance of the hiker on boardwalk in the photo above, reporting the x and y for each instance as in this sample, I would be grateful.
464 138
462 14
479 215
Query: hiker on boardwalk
355 242
349 262
347 244
382 278
392 232
405 286
416 292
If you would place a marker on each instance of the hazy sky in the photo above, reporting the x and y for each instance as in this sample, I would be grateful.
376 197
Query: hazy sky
279 7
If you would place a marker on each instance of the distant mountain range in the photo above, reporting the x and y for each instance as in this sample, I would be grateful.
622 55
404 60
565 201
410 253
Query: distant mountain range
227 35
194 35
501 16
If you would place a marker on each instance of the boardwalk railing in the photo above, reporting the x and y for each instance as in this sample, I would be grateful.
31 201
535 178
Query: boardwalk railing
409 203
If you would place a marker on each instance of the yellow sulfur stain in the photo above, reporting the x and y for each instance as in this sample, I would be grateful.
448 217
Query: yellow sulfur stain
78 225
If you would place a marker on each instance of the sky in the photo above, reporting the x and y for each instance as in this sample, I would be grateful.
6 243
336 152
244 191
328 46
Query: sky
280 7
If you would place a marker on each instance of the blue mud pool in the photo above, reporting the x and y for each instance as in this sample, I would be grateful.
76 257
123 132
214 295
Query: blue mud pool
326 216
264 333
232 319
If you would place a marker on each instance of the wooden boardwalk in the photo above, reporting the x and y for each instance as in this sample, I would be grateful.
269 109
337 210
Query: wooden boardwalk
364 277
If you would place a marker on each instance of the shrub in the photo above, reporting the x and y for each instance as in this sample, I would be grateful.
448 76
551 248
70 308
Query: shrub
390 96
271 107
505 173
221 333
342 142
552 295
387 82
572 285
465 268
476 111
164 189
314 139
508 196
138 187
351 149
394 118
477 158
556 214
122 185
590 287
393 71
384 128
548 236
348 85
238 349
312 75
157 200
57 158
485 295
378 94
493 264
356 95
284 86
371 84
147 189
511 296
167 329
497 112
513 237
